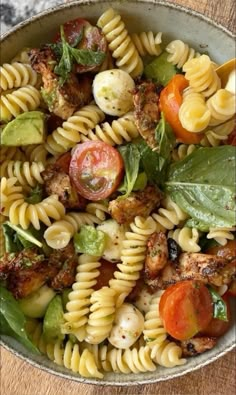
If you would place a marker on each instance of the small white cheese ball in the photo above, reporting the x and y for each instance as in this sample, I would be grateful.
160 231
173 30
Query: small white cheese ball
128 326
112 92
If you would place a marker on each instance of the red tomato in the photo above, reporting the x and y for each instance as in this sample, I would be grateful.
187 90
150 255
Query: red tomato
232 288
218 327
170 102
64 162
96 169
186 308
227 251
107 270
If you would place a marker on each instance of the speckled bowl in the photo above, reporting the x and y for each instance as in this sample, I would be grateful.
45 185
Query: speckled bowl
175 22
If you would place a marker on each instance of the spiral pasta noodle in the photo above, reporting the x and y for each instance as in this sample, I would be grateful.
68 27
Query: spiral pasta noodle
217 134
130 360
180 53
26 173
194 114
58 235
99 209
120 43
221 106
169 215
16 75
186 238
9 193
154 331
202 76
221 235
102 314
183 150
21 100
10 153
76 316
67 136
133 255
2 239
167 354
35 153
22 56
147 43
119 131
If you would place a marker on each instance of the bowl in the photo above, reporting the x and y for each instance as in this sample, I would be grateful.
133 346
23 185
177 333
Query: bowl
175 22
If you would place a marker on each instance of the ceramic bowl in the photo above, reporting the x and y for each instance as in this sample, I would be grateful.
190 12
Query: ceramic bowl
175 22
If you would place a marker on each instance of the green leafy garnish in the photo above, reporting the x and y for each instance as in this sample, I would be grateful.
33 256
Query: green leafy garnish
166 141
151 163
131 157
219 305
13 320
89 241
203 185
36 195
16 238
141 182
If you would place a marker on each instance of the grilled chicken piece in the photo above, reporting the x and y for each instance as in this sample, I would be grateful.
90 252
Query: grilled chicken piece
157 254
25 271
67 259
57 182
62 100
166 277
146 111
138 203
197 345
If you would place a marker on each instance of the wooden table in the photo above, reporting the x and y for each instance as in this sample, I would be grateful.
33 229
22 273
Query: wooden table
219 378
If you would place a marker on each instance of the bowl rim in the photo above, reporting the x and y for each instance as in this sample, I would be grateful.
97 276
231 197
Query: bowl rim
79 379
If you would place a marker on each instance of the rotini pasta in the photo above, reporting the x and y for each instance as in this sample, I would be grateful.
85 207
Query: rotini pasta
21 100
26 173
16 75
169 215
147 43
60 232
180 53
10 153
80 123
120 43
217 134
186 238
121 130
183 150
167 354
76 316
221 235
222 106
99 209
194 114
36 153
202 76
127 361
154 332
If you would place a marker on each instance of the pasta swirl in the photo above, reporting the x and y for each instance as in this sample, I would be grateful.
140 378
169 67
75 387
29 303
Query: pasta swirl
16 75
147 43
167 354
180 53
154 332
169 215
25 172
221 106
187 239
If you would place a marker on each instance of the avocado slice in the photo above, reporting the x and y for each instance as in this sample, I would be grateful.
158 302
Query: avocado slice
160 70
36 303
53 320
27 128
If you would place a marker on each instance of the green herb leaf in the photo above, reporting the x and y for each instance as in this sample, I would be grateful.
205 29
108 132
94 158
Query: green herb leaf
65 65
166 141
150 162
203 185
86 57
219 306
12 243
13 320
141 182
131 157
16 238
89 241
36 195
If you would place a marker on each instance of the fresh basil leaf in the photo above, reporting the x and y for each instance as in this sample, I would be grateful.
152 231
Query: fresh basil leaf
79 38
165 139
86 57
150 162
16 238
131 157
219 306
35 196
13 320
203 185
89 241
12 243
141 182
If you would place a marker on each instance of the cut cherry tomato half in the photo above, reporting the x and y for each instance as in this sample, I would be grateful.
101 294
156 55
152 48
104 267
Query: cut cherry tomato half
96 169
186 308
216 327
64 162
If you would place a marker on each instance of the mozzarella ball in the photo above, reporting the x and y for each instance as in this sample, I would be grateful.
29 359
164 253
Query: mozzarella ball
112 92
128 326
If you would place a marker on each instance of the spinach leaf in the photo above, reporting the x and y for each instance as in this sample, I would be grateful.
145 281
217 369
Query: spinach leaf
166 140
87 57
12 243
89 241
131 157
151 163
16 238
13 320
219 306
203 185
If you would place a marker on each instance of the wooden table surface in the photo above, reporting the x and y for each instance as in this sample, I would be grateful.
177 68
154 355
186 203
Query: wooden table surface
219 378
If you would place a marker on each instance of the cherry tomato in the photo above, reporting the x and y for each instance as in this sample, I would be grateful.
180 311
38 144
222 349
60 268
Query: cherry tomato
227 251
232 288
64 162
186 308
107 270
218 327
96 169
170 102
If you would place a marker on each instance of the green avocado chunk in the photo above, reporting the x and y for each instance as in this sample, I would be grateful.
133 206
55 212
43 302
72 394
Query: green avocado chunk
27 128
160 70
53 320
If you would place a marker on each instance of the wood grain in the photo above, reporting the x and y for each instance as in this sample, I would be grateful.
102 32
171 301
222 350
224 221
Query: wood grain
219 378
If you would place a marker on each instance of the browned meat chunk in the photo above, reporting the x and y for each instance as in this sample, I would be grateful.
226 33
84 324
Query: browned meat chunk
57 181
146 111
25 272
157 254
68 261
197 345
62 99
167 276
138 203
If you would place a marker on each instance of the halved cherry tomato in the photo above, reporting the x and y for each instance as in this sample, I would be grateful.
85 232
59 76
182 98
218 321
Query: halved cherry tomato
96 169
64 162
107 270
218 327
186 308
226 251
170 102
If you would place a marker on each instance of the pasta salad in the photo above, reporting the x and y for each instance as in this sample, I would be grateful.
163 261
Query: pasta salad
117 249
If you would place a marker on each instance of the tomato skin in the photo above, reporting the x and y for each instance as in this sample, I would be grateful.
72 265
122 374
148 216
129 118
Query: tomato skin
186 308
170 102
216 327
96 169
107 270
64 162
